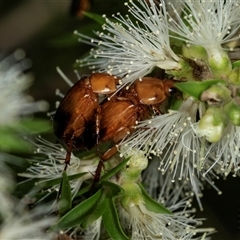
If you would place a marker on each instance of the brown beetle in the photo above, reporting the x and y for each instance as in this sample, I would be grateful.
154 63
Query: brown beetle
118 116
79 106
125 109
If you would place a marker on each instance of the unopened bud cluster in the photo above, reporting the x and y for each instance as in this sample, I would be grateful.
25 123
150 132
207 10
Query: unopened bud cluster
221 97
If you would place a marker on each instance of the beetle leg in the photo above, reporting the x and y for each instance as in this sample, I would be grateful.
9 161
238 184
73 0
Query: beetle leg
100 164
67 161
109 153
98 119
69 151
70 145
98 171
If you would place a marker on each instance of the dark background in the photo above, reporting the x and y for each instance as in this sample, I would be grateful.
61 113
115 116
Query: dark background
44 29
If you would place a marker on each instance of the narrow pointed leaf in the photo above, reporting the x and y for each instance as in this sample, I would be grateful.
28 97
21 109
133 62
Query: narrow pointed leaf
16 163
112 224
75 216
153 205
35 125
25 185
69 39
83 190
236 64
11 141
114 170
96 17
111 189
97 212
65 202
105 177
44 196
194 88
53 182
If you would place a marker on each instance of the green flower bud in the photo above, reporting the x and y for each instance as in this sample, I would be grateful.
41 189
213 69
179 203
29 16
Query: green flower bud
194 52
234 76
219 64
217 94
132 195
212 124
183 73
191 70
130 175
232 110
134 167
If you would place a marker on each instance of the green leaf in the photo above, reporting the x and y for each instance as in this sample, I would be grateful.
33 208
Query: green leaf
53 182
67 40
12 136
175 104
33 126
83 190
45 196
111 189
194 88
18 164
153 205
71 40
65 202
11 142
105 177
236 64
98 210
111 222
25 185
114 170
96 17
77 215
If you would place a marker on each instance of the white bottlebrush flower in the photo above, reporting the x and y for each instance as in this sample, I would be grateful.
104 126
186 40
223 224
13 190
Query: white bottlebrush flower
7 185
27 224
177 7
14 102
172 138
225 154
93 230
133 47
135 209
208 24
145 224
168 191
52 166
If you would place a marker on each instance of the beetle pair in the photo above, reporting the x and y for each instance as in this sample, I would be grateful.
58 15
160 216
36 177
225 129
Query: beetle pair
79 106
81 116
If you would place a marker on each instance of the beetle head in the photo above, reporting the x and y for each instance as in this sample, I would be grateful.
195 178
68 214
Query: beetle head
152 91
103 83
168 86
